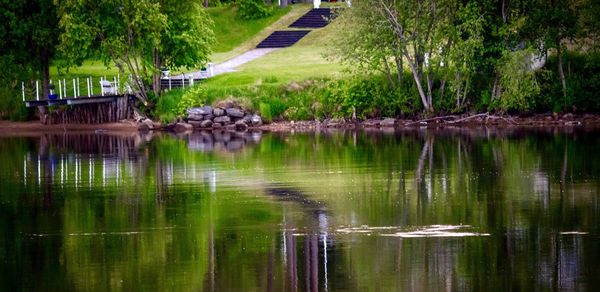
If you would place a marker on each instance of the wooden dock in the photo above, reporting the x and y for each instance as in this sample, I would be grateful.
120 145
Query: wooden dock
74 101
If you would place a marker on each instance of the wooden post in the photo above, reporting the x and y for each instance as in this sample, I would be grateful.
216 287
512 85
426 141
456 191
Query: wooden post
60 89
92 84
101 86
169 83
37 90
118 83
88 86
74 89
65 87
78 88
23 90
114 85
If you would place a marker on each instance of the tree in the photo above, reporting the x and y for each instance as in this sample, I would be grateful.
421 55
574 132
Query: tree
28 36
554 22
139 37
119 31
186 42
432 37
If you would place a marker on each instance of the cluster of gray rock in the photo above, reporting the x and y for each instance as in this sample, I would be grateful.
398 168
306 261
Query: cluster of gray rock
220 117
370 123
226 117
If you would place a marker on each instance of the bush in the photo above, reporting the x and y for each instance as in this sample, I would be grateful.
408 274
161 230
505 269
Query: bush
519 84
583 84
253 9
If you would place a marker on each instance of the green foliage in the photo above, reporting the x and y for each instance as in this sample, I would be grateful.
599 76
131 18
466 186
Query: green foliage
187 40
196 96
253 9
265 111
583 84
518 81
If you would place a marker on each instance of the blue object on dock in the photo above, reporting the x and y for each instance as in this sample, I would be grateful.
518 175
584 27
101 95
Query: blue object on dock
52 96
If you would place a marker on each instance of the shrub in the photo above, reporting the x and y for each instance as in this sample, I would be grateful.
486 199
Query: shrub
519 84
253 9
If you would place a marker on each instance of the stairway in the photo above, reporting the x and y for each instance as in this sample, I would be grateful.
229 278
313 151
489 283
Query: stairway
315 18
282 38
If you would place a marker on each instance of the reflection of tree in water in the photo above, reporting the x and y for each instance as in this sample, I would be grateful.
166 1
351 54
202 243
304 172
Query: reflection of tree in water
521 187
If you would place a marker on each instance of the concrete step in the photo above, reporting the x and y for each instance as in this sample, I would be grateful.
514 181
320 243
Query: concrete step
283 38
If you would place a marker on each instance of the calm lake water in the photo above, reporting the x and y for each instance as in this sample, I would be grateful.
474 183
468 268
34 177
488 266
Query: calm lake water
343 211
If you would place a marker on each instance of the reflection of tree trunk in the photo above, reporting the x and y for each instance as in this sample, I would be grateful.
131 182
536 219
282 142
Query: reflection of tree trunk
158 171
556 268
563 173
48 182
419 179
307 263
211 258
314 255
292 261
270 265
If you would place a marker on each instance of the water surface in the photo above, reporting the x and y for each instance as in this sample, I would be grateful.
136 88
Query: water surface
475 209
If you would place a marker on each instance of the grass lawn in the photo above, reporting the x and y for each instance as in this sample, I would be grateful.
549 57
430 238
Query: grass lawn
302 61
231 30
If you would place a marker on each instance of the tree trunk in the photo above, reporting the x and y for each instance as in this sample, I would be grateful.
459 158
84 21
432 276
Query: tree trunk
399 68
283 3
415 74
205 3
561 72
157 71
45 70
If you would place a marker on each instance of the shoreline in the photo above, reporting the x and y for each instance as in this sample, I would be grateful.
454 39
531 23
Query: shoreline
10 128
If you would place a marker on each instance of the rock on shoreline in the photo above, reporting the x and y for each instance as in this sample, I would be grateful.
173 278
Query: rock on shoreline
225 115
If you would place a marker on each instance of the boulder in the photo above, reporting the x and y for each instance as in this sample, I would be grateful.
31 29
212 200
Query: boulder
218 112
256 120
209 117
206 124
195 124
205 110
183 127
241 125
388 122
170 127
222 119
234 113
195 117
217 125
247 119
226 104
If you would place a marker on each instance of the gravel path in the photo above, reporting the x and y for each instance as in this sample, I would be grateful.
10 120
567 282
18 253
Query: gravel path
231 64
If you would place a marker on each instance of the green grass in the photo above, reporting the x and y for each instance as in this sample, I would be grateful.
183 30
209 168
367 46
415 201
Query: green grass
231 30
303 61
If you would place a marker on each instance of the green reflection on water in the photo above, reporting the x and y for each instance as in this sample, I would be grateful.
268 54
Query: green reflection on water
284 212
